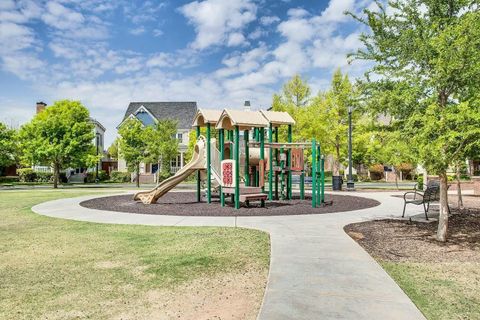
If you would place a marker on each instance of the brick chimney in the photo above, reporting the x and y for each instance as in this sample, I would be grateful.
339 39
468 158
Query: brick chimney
41 106
246 106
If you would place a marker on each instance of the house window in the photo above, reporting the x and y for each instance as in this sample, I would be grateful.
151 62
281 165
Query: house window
180 137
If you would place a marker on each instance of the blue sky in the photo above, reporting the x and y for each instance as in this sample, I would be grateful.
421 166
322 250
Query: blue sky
216 52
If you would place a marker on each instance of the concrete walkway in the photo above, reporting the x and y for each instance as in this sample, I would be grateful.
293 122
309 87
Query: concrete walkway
317 271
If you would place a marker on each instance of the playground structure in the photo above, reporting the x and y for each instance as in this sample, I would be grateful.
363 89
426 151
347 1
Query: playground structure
239 166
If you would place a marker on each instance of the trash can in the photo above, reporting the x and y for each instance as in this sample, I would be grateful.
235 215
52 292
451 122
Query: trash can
337 182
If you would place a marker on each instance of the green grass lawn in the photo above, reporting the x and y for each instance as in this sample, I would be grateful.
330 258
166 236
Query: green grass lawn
54 268
440 290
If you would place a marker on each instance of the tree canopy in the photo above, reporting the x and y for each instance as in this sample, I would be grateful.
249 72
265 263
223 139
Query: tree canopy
426 66
8 146
60 136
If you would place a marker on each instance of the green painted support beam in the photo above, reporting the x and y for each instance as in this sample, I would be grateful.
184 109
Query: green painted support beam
302 186
237 167
221 138
289 164
199 192
277 155
270 161
319 184
314 174
261 138
247 159
209 169
322 178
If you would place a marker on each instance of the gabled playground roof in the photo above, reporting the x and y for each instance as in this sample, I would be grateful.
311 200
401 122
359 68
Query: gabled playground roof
204 116
278 118
245 120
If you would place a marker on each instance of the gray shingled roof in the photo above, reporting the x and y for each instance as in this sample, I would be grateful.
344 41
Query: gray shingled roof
183 112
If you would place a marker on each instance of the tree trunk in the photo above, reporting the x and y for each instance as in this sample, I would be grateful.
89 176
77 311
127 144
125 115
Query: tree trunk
138 176
443 214
55 175
459 188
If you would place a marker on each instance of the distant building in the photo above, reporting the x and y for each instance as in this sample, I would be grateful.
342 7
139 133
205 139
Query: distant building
150 113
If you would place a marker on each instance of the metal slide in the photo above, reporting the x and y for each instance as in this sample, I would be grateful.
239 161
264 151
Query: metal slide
198 162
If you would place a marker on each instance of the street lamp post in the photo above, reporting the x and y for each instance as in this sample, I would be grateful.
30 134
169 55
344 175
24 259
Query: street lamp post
96 165
350 182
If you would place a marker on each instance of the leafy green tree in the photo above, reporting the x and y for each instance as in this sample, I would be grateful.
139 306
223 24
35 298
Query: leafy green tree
133 146
113 149
427 60
60 136
326 118
162 145
8 146
294 99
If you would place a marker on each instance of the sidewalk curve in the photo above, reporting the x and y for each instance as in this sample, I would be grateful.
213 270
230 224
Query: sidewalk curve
316 272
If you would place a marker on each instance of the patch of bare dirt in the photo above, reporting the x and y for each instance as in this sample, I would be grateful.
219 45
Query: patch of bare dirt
227 296
401 240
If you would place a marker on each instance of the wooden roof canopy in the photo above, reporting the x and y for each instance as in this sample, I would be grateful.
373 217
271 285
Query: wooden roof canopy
204 116
278 118
245 120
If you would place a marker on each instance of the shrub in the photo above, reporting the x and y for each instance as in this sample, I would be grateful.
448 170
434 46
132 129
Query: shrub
43 177
117 176
103 175
9 179
26 175
420 182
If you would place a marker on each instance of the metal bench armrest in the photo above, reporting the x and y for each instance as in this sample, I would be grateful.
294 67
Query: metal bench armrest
415 193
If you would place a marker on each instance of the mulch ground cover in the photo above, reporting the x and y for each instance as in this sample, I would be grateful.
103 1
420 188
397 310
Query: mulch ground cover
410 241
185 204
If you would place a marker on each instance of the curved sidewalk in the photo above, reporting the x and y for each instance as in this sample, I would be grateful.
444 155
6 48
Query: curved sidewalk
316 272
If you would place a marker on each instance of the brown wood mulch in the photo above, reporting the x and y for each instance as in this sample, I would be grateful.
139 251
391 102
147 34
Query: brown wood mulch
403 240
184 204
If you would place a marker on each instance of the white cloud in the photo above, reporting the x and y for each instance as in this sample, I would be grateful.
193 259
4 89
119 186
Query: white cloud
297 12
157 32
236 39
268 20
335 10
61 17
215 20
137 31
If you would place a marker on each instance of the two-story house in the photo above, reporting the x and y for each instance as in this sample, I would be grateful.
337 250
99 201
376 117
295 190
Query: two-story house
151 112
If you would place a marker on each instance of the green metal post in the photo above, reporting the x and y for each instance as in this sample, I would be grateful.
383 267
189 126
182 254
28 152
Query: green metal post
237 168
289 164
282 178
323 179
221 137
247 158
270 161
209 170
302 185
276 161
314 174
319 185
262 153
198 171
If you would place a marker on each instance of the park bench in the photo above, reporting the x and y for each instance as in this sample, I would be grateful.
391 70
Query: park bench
431 194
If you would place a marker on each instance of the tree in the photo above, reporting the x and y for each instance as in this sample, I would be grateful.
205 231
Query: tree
8 146
133 146
61 136
113 149
330 123
426 55
294 99
162 145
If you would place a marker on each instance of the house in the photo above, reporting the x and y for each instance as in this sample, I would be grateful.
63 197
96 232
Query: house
151 112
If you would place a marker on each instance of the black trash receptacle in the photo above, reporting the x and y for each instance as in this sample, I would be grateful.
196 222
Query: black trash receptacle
337 182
